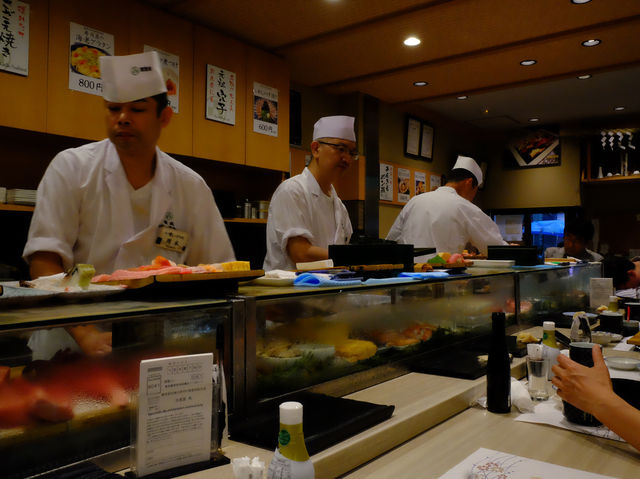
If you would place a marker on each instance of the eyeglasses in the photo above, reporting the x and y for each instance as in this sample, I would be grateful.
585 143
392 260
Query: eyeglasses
342 149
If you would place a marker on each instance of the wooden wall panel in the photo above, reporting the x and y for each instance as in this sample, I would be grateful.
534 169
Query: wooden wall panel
263 150
211 139
149 26
74 113
23 99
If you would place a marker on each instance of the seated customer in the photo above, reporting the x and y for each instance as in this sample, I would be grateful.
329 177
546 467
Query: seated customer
590 389
577 233
625 274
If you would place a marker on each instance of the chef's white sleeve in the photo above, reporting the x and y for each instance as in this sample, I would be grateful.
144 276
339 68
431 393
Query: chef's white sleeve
55 222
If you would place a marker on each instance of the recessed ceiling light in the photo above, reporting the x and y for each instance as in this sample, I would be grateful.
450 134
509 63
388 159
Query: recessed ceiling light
580 2
584 77
420 83
619 108
527 63
592 42
533 120
462 97
412 41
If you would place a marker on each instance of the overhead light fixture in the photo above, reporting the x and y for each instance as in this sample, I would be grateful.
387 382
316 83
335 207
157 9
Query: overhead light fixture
619 108
592 42
527 63
580 2
412 41
420 83
533 120
462 97
584 77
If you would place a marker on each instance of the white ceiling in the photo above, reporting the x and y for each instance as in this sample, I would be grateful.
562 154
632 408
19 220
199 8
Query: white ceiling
468 47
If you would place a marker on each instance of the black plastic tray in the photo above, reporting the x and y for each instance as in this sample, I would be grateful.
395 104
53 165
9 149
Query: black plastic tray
326 421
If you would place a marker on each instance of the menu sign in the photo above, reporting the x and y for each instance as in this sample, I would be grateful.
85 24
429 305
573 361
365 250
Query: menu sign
174 412
87 46
404 185
221 95
386 182
420 180
14 37
265 109
171 73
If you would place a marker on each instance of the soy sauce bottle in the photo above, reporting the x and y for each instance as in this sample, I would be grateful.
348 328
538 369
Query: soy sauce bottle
498 368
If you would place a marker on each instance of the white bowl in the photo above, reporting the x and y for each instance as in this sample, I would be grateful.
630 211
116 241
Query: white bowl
619 362
601 337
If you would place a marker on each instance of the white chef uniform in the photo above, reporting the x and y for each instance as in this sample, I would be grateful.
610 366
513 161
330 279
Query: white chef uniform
445 220
83 212
299 207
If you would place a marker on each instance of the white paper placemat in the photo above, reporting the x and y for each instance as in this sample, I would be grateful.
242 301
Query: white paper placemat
487 463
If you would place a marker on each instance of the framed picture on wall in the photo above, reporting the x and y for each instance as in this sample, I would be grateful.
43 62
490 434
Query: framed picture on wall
412 134
536 149
426 142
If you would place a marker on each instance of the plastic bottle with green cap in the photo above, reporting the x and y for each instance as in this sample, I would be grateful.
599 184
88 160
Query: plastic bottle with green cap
291 459
550 348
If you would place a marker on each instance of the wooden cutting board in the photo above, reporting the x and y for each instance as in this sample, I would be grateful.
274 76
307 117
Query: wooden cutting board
186 278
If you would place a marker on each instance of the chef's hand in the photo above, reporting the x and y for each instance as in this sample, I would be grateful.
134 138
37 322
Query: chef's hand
91 340
586 388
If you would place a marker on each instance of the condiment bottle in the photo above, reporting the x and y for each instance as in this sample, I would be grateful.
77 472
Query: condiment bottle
498 368
613 304
550 348
291 459
549 334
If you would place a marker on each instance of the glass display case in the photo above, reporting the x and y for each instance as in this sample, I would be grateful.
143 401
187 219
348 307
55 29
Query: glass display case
338 340
60 404
547 292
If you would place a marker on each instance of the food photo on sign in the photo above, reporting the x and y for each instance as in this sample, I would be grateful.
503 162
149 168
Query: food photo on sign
534 149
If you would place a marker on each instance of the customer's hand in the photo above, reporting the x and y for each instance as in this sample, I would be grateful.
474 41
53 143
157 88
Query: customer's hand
586 388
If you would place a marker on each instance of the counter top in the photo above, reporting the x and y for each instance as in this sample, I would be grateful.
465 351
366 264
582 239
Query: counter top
433 427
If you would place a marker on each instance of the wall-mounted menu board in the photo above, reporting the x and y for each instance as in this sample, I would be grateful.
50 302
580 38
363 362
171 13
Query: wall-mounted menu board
399 183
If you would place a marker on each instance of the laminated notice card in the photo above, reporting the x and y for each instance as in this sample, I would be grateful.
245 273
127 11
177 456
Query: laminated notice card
599 291
14 37
171 74
174 412
386 182
265 109
221 95
87 46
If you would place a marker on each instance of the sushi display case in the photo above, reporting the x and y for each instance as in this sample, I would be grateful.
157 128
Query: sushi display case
60 404
338 340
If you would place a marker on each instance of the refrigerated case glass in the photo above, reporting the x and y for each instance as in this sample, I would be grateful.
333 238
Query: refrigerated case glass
72 405
304 339
548 292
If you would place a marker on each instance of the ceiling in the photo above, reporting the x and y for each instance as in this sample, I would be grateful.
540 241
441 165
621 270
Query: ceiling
468 47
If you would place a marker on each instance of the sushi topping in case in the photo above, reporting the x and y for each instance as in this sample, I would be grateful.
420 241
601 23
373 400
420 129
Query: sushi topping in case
161 265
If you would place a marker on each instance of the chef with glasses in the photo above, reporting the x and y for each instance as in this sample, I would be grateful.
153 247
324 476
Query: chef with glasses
305 213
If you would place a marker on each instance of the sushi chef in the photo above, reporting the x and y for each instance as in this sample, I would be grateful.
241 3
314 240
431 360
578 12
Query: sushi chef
305 213
120 202
446 218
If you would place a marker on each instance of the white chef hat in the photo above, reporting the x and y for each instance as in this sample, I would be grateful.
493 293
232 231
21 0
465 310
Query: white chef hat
131 77
334 127
469 164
